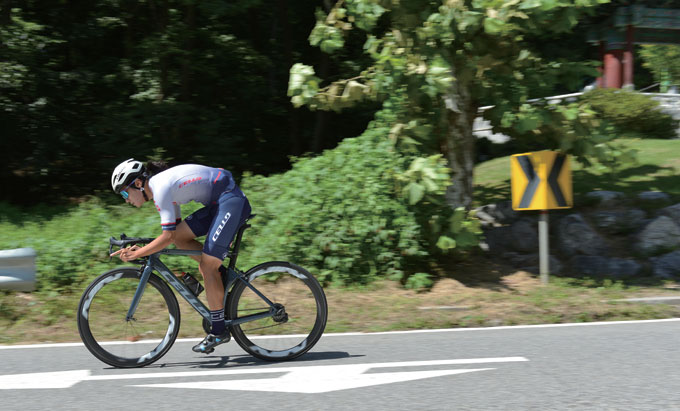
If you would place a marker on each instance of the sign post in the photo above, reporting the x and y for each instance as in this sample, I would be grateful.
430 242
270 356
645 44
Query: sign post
541 181
543 247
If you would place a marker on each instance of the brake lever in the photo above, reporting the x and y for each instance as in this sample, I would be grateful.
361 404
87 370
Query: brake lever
113 239
110 248
126 241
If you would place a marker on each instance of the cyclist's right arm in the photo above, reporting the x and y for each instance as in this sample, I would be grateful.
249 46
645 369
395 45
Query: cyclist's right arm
132 253
169 212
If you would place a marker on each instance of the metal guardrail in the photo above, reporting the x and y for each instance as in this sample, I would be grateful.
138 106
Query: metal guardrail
17 269
481 128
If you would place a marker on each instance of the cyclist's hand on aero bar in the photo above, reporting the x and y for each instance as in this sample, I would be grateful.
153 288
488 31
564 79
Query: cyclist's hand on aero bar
126 254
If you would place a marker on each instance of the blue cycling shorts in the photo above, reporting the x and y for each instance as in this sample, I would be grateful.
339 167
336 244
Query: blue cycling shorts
220 221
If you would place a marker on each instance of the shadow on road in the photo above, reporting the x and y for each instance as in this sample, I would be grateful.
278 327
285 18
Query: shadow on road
214 361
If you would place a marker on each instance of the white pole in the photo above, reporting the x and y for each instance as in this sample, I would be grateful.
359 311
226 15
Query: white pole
543 247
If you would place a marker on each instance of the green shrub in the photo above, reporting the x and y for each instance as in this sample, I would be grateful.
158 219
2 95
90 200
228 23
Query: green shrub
360 211
632 114
72 247
336 214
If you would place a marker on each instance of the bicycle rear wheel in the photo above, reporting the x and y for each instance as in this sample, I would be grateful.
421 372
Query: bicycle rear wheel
110 337
302 311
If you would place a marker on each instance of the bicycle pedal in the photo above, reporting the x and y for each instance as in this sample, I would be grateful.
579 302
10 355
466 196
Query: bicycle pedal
209 351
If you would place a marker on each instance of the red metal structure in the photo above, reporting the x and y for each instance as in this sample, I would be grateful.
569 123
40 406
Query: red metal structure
629 25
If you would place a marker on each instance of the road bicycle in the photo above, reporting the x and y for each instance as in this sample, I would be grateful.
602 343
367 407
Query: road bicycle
129 317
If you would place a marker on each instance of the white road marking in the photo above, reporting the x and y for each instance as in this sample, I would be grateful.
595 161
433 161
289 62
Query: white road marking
57 379
295 379
306 381
352 334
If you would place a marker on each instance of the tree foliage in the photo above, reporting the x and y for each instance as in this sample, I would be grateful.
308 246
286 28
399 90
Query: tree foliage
664 63
450 57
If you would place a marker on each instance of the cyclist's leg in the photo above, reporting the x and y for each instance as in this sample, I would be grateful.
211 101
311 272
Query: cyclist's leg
231 208
185 239
195 225
209 267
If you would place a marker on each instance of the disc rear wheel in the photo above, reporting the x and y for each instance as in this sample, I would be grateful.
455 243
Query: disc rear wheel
297 319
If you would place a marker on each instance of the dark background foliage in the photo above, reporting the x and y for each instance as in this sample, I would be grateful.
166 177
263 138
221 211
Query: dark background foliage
87 84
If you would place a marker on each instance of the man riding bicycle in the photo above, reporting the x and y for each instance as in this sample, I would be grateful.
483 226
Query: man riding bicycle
225 209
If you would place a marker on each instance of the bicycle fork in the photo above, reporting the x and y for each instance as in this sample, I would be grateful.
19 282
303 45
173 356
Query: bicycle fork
140 291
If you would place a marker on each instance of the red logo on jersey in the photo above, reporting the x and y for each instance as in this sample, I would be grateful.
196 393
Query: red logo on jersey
193 180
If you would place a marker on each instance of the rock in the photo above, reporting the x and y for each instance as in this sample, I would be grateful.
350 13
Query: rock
607 220
635 218
654 197
516 259
622 267
667 265
486 219
498 239
575 236
524 235
505 213
604 197
673 212
661 234
531 262
554 265
496 214
616 222
594 265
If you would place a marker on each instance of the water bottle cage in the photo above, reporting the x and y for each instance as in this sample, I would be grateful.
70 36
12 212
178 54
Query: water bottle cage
192 284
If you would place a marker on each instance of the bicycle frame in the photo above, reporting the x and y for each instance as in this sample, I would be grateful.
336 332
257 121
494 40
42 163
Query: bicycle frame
155 264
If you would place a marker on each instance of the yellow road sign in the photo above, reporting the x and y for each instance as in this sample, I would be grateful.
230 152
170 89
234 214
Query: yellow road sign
541 181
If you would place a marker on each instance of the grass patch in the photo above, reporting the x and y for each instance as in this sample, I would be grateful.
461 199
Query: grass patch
657 169
511 298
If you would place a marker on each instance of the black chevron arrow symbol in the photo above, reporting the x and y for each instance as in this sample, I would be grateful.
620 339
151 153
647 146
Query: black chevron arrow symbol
534 181
552 180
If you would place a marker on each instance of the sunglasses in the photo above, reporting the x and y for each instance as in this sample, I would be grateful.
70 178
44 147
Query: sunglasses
124 193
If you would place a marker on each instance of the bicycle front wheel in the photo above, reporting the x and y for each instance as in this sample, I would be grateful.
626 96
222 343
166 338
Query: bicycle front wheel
301 311
126 343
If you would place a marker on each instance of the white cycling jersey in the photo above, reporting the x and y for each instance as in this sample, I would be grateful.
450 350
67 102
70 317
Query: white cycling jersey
185 183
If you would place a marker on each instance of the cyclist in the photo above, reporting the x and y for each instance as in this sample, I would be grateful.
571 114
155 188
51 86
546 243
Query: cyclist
225 209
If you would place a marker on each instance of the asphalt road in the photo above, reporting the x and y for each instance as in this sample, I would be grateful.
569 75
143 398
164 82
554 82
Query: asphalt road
596 366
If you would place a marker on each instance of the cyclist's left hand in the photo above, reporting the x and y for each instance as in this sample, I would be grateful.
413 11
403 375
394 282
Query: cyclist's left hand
127 254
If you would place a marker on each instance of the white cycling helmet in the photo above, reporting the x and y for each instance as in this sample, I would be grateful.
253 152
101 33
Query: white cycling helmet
126 173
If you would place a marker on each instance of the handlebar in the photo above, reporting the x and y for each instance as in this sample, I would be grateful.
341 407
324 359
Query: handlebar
126 241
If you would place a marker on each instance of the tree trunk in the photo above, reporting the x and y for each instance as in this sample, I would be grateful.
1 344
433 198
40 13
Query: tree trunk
295 146
321 120
5 12
160 13
189 45
322 116
461 110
